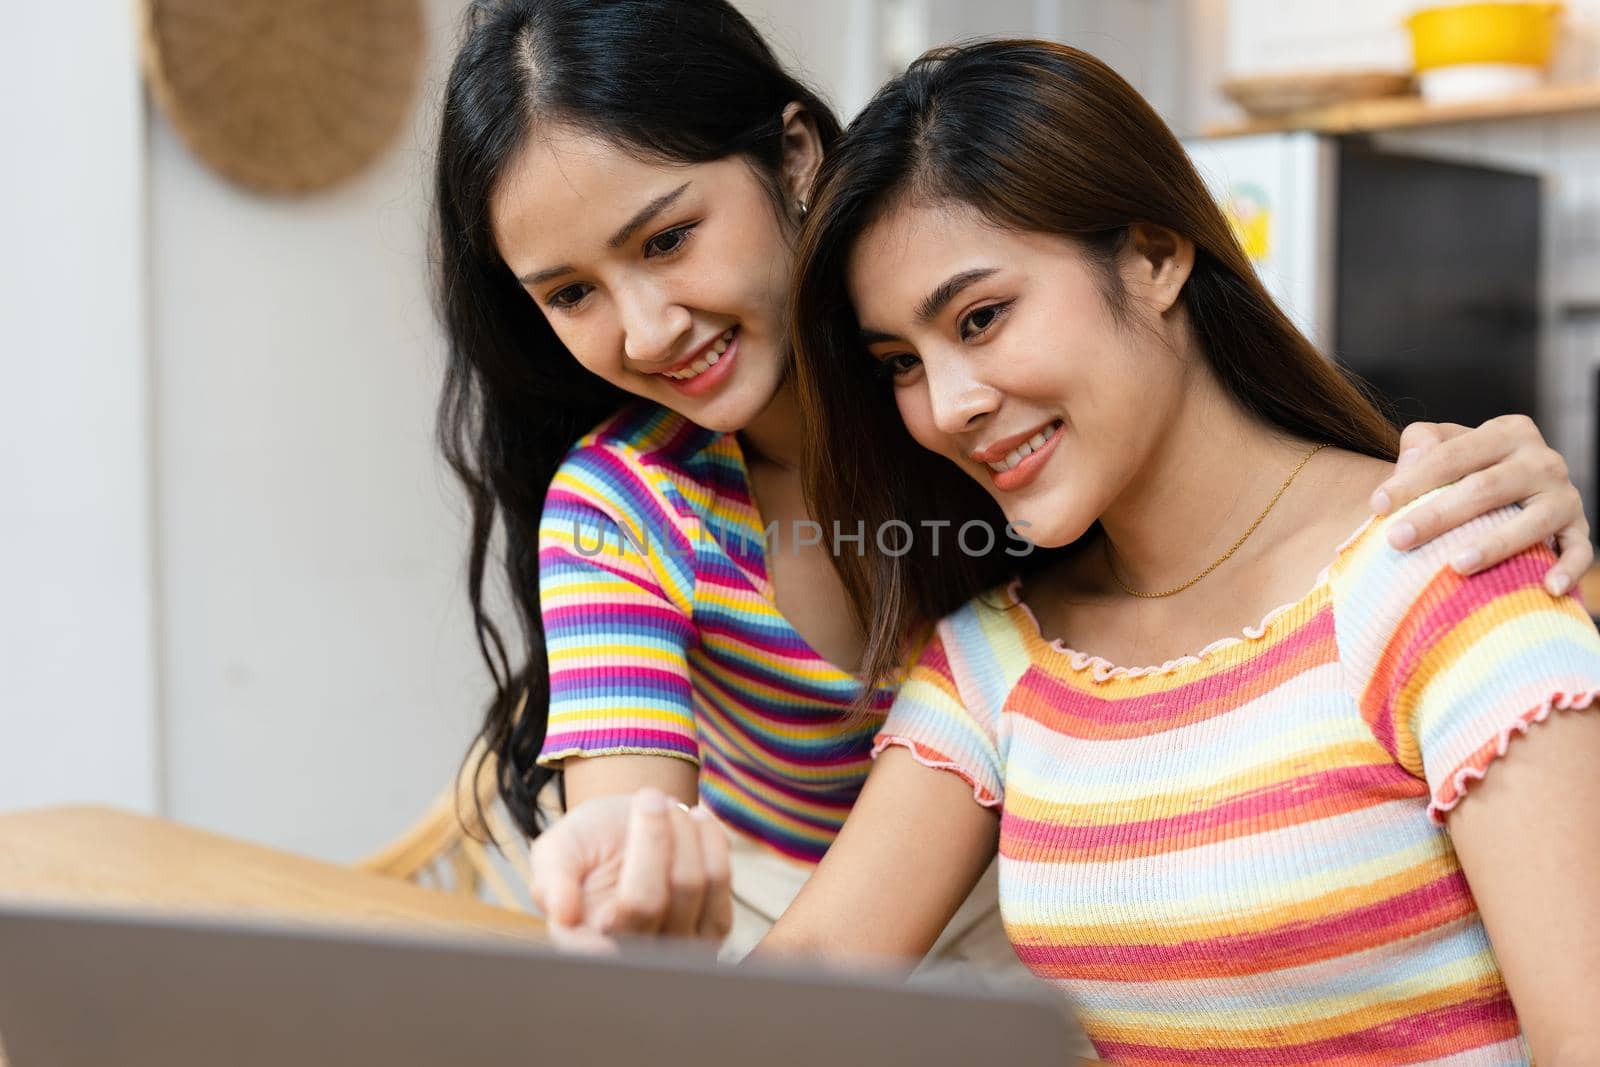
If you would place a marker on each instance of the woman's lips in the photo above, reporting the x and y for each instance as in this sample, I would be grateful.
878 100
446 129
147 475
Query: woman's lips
713 375
1028 468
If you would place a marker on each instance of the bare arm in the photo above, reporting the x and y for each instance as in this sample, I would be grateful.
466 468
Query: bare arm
604 776
912 849
1528 837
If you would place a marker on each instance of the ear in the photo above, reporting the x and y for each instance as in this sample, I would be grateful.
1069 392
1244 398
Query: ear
1157 263
802 153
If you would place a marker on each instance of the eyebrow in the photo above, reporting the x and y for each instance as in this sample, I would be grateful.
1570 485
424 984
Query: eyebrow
936 302
644 215
948 290
538 278
617 240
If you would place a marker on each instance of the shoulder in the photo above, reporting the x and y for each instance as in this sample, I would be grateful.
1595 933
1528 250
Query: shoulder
637 461
985 647
1369 569
1330 504
949 712
644 437
651 432
1392 608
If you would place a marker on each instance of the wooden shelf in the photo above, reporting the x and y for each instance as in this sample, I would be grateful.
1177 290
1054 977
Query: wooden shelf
1367 116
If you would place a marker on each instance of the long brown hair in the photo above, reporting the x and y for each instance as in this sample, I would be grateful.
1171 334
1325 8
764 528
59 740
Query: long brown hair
1041 138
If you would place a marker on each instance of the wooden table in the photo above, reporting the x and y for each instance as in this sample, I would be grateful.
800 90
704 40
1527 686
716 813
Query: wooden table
104 856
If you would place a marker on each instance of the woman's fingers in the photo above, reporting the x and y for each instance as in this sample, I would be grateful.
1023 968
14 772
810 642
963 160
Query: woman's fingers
1556 516
1418 437
582 939
557 870
676 875
672 878
1476 494
1545 516
1531 526
716 915
686 877
643 897
1576 555
1505 461
1435 455
556 882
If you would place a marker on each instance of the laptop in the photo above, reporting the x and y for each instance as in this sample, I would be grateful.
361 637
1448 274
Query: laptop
93 988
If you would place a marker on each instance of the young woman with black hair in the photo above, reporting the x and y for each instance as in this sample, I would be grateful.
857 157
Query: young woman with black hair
620 186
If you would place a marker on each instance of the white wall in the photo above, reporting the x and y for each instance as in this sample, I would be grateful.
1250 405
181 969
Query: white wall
78 718
320 681
848 48
832 44
1136 38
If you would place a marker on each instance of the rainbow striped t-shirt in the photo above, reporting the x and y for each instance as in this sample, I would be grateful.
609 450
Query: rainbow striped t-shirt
1241 856
664 638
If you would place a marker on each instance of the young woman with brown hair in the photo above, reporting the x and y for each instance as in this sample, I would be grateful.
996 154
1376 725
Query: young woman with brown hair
1324 838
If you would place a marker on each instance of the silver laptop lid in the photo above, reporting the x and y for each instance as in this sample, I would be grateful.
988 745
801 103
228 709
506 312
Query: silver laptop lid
94 988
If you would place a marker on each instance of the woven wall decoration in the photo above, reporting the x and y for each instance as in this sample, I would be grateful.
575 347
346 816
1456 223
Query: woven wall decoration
285 96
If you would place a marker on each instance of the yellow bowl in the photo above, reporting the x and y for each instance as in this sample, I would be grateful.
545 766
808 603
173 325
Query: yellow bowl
1515 33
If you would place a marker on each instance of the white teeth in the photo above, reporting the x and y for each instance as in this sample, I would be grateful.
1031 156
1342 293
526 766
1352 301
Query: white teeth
707 361
1024 450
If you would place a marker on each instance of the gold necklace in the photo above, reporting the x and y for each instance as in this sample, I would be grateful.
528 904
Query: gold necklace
1111 563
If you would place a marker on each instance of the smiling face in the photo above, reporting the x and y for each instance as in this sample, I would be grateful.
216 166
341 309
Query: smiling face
1007 360
667 280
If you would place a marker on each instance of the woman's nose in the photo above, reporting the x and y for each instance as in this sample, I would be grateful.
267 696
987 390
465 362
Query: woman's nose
959 400
653 327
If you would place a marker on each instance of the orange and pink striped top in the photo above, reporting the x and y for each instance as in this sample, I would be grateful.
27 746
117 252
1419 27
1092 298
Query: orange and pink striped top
1242 856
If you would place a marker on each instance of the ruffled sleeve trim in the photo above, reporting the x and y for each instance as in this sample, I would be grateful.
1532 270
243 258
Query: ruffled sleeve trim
1476 766
555 758
940 762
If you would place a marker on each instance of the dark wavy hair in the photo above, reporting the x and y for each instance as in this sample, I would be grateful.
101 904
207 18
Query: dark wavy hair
685 81
1040 138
